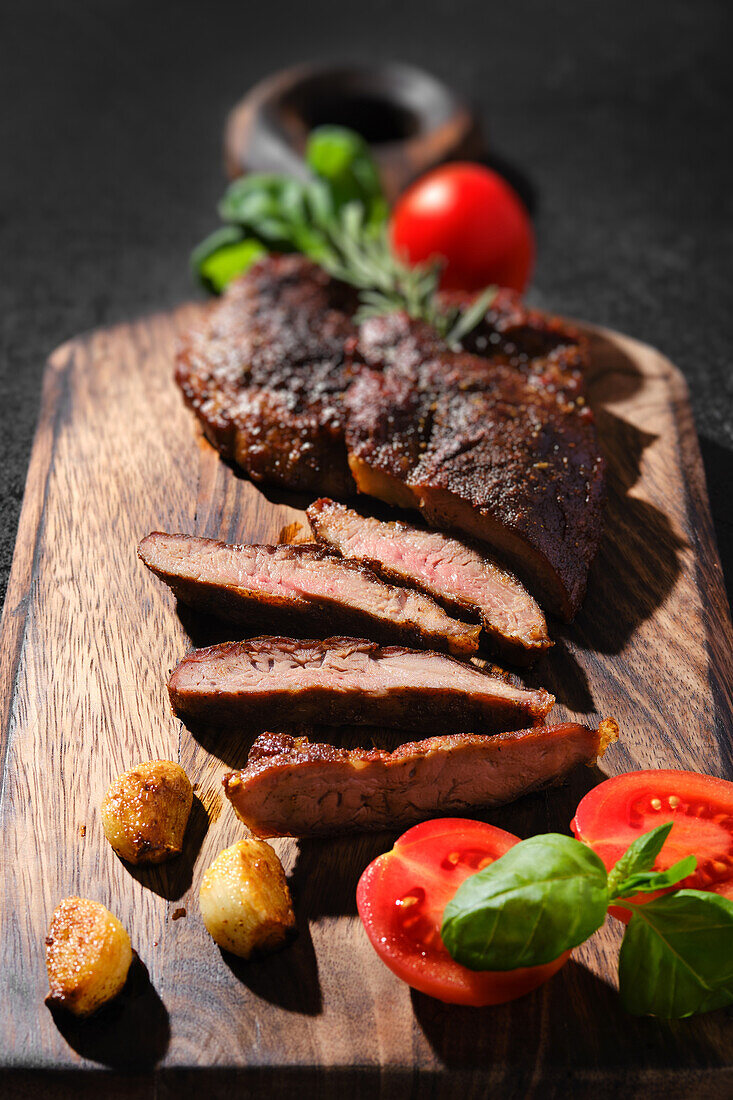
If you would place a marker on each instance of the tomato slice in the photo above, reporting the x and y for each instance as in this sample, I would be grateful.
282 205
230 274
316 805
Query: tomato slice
616 812
401 898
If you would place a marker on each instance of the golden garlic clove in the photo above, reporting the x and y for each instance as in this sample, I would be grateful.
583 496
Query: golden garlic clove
88 955
145 812
245 901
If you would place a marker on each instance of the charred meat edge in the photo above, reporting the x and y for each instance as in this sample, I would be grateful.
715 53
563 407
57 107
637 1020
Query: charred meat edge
292 787
265 371
498 451
294 683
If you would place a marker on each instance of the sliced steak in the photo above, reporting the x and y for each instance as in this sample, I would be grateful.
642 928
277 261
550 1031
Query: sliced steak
266 370
345 681
300 588
455 573
501 449
291 787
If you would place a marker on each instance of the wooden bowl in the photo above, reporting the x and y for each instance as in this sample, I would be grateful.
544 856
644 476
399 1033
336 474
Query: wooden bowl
412 121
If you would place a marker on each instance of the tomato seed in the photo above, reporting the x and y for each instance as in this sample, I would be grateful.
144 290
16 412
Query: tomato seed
656 803
405 902
673 802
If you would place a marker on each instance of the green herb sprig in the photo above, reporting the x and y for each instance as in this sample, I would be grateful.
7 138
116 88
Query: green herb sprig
550 893
339 220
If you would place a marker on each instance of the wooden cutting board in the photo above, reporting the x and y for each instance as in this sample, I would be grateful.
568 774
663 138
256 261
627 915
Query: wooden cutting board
87 638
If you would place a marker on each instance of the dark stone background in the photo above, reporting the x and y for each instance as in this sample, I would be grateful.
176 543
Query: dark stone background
618 114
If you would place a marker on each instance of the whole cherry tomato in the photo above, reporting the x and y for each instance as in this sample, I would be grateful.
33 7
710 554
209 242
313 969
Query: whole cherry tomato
469 216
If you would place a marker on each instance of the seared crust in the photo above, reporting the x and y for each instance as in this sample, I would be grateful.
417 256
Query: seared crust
265 372
518 335
345 681
292 787
495 442
503 450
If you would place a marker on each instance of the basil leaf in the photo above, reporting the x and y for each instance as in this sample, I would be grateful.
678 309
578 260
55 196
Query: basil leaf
633 873
677 956
320 204
639 856
254 196
646 882
343 159
545 895
278 211
223 255
269 207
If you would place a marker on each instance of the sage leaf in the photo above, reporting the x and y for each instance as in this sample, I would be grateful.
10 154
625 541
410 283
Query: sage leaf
677 955
542 897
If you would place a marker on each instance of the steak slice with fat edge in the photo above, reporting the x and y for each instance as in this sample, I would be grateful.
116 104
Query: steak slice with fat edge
300 588
345 681
291 787
453 572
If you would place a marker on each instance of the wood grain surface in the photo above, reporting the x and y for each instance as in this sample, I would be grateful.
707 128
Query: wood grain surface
88 636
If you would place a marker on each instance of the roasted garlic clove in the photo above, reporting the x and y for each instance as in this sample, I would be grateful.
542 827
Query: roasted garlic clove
145 812
245 901
88 955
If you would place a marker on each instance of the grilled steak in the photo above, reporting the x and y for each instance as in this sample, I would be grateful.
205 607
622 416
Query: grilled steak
291 787
453 572
494 442
502 450
299 587
265 372
345 681
516 335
